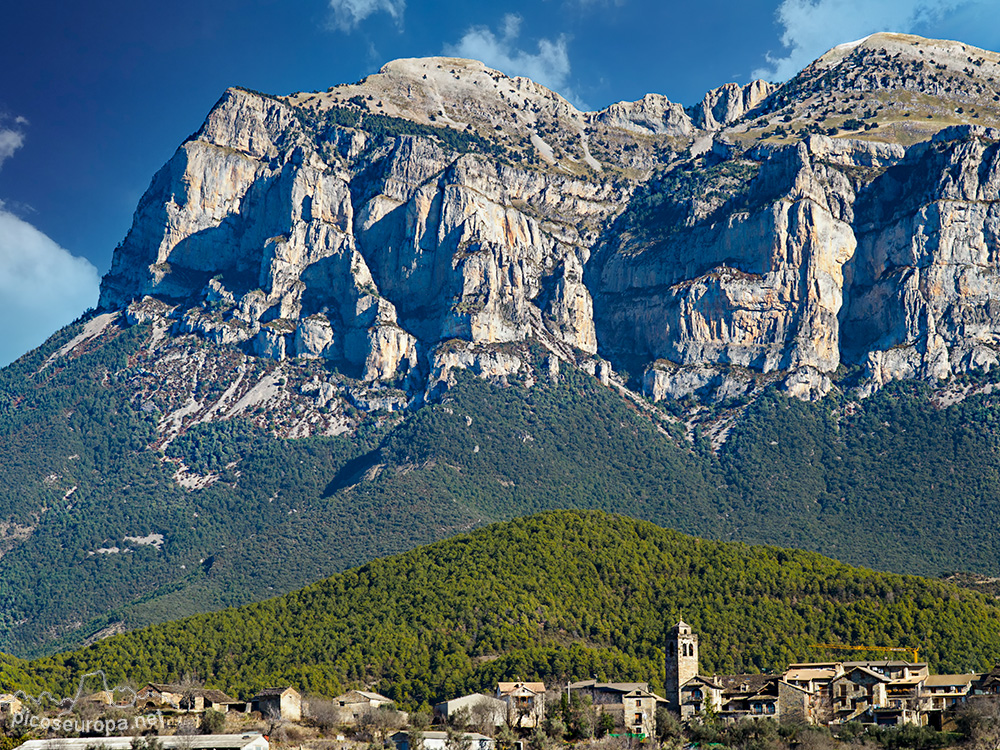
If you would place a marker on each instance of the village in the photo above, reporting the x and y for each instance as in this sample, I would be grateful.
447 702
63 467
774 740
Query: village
888 693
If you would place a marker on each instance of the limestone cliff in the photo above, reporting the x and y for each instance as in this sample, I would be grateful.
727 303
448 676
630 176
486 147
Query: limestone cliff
411 223
280 228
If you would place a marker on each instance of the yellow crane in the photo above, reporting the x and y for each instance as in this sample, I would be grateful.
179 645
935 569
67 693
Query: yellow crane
913 652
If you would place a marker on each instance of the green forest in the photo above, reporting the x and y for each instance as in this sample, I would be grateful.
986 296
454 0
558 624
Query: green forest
894 483
553 596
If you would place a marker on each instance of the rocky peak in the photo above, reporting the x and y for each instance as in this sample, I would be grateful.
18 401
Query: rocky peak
515 113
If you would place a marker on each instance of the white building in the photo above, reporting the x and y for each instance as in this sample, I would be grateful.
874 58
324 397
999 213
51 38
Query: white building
525 702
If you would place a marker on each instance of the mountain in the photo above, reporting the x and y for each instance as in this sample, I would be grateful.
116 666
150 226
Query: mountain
346 323
554 596
398 226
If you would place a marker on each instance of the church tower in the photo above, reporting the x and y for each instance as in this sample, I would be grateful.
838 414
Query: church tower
681 662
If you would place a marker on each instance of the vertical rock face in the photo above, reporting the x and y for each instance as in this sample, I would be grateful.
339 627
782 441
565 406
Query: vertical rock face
761 288
728 103
925 291
322 242
464 262
801 272
405 225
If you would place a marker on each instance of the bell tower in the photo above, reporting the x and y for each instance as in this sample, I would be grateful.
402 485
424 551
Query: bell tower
681 662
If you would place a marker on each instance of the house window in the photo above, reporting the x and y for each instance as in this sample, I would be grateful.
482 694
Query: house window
638 704
696 693
638 719
770 708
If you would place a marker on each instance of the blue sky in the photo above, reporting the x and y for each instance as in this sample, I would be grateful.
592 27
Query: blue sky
95 97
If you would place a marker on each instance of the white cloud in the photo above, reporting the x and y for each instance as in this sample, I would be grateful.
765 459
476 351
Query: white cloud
42 286
11 139
347 14
811 27
549 66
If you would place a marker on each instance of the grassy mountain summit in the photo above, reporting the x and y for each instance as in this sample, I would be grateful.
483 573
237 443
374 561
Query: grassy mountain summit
892 88
552 596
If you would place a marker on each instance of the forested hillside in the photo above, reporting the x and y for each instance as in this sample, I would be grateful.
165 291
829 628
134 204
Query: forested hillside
552 596
897 481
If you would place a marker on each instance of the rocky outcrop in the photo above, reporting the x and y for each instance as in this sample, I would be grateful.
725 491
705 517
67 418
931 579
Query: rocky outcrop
727 104
651 114
667 380
804 273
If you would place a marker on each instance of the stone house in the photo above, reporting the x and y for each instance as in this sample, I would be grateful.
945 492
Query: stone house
904 693
161 695
206 699
605 693
988 683
699 695
902 704
894 670
944 691
631 704
354 703
279 703
524 702
748 696
639 711
856 692
813 677
795 704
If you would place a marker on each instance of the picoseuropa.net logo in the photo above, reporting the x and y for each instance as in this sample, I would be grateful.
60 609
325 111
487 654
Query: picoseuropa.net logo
116 704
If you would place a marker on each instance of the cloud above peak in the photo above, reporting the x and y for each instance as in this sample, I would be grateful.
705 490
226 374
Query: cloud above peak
811 27
347 14
549 65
